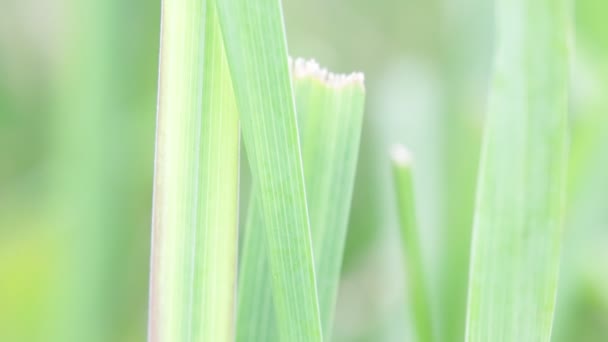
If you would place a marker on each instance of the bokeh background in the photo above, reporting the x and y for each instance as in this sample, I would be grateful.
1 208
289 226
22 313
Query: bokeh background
77 115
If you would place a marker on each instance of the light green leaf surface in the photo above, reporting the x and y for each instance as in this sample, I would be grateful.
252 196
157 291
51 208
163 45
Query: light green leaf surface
520 199
196 181
416 277
330 113
257 54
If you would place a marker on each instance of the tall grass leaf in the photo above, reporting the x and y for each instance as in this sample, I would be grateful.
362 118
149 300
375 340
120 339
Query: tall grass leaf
194 244
418 291
518 218
330 113
257 54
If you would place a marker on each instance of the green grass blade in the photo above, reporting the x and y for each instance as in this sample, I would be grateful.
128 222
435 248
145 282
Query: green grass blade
196 181
257 54
404 186
87 105
330 113
518 219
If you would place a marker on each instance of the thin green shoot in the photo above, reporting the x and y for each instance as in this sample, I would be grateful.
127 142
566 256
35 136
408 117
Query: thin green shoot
411 244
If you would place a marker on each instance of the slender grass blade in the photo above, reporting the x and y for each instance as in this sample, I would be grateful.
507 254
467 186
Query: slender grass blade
257 54
418 291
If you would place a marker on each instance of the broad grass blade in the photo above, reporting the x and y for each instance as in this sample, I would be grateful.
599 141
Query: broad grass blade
520 198
194 241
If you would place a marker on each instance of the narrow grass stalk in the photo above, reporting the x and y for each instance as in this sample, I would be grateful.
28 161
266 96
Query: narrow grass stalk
414 261
520 199
257 54
330 112
194 241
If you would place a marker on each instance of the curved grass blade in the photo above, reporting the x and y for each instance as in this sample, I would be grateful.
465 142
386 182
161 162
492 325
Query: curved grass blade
330 113
520 199
194 244
404 186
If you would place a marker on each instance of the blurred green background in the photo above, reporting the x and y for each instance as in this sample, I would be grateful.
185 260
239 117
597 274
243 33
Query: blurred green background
77 118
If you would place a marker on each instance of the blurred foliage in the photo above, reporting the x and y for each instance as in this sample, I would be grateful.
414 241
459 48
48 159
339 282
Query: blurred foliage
77 115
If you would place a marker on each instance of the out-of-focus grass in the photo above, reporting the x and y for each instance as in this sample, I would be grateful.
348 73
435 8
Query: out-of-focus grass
427 67
77 141
582 308
101 145
517 237
410 244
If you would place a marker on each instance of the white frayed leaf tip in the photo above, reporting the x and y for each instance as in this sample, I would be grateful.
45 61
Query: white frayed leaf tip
302 68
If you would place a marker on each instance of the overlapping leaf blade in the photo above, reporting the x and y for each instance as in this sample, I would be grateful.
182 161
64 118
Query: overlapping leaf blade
255 44
412 246
330 112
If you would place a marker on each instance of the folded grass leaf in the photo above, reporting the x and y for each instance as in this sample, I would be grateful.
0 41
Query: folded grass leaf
194 241
518 218
418 292
330 113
